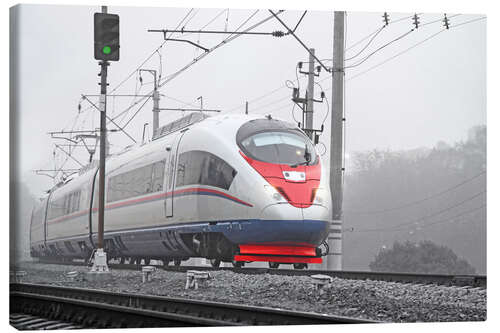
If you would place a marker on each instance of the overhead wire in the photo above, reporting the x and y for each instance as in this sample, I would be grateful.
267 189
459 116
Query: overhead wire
223 42
375 31
410 48
423 225
421 200
150 56
178 72
379 49
367 44
423 218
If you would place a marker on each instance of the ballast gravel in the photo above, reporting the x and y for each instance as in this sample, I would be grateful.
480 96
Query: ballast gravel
375 300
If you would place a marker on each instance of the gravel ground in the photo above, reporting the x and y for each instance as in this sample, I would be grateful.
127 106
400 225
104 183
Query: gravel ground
376 300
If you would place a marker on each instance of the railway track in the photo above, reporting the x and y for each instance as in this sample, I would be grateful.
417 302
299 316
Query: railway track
84 308
24 322
439 279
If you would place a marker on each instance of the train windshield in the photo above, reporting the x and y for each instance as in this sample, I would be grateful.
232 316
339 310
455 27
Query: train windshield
280 147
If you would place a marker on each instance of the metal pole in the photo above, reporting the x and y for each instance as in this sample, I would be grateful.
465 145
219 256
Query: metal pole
100 262
102 161
334 261
310 96
246 107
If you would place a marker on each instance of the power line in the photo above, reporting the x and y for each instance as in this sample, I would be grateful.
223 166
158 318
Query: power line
139 109
410 48
147 58
470 21
428 216
413 203
174 75
376 30
257 98
380 48
284 86
300 41
223 42
438 20
367 44
426 224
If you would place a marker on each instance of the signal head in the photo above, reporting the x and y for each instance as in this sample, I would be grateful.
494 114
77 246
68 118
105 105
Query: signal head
106 37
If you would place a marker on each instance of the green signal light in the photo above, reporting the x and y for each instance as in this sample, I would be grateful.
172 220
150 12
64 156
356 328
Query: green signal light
106 50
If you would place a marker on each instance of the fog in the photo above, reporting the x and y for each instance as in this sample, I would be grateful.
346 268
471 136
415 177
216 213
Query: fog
434 92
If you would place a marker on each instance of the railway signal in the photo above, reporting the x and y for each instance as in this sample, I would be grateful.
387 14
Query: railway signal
106 37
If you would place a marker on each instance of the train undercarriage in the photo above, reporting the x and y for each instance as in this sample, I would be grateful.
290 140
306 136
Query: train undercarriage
212 246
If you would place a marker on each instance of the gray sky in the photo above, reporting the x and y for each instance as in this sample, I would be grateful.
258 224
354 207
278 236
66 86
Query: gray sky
433 92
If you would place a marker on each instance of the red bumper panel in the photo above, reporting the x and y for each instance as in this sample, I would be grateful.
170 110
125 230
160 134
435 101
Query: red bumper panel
278 250
278 253
315 260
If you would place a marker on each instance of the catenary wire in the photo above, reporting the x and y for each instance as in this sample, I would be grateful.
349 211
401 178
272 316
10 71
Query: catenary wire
367 44
425 225
416 202
150 56
375 31
410 48
379 49
224 42
439 212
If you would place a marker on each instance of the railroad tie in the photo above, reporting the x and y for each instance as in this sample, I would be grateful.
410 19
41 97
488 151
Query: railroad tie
196 278
147 273
321 282
72 275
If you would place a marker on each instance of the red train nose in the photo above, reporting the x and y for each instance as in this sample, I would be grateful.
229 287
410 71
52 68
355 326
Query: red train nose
296 184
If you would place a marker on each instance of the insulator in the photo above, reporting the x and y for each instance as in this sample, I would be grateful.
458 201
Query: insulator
386 18
278 33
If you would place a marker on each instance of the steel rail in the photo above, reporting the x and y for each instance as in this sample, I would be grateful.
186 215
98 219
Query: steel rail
98 308
422 278
440 279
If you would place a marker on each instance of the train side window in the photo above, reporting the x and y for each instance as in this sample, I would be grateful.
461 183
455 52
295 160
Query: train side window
140 181
204 168
158 175
76 201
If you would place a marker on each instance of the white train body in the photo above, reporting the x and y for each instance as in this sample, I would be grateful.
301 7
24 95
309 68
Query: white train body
195 192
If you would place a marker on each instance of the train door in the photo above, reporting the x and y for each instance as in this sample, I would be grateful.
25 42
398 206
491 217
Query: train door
172 154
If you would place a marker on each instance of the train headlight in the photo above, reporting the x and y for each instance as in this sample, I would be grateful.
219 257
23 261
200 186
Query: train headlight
320 195
273 193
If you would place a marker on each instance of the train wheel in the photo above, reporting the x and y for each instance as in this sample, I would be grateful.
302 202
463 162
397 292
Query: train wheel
274 264
299 266
215 263
177 262
238 264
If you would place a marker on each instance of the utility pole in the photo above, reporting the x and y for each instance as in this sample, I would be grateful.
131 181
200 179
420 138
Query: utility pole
106 48
100 260
310 96
334 261
156 99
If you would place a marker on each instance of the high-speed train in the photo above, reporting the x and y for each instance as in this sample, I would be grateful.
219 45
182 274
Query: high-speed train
229 188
